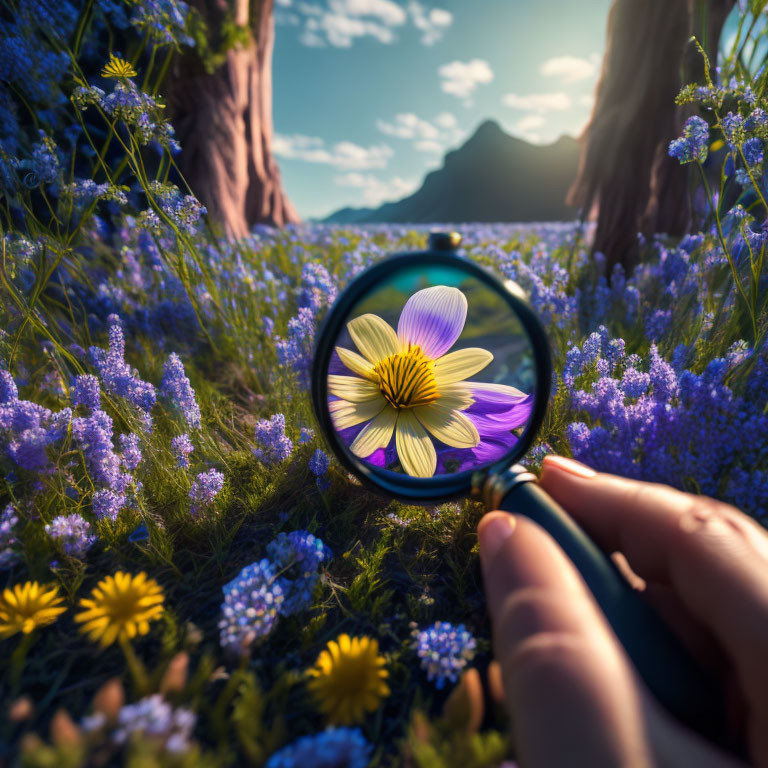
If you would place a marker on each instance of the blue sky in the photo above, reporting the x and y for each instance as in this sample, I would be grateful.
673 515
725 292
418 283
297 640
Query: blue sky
369 94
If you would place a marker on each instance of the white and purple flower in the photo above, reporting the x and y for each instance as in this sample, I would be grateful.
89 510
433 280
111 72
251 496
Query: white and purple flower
408 389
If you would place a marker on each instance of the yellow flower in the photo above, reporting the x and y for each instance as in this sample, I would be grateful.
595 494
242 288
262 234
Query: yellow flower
119 68
348 679
120 607
28 606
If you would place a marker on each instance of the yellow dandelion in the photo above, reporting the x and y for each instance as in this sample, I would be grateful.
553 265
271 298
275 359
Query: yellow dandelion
120 607
348 679
119 68
28 606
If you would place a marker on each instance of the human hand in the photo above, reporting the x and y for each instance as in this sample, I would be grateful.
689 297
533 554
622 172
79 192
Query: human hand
573 695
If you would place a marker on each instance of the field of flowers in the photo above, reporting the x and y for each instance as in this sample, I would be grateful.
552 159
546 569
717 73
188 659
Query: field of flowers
189 578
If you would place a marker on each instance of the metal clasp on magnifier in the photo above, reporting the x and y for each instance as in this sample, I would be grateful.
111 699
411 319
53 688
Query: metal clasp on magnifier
494 487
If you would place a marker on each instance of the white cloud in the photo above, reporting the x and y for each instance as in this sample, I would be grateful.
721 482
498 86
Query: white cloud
284 3
432 23
344 154
427 136
538 102
376 191
569 68
461 78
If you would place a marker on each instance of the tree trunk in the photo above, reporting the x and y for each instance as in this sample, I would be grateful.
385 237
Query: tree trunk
625 173
223 120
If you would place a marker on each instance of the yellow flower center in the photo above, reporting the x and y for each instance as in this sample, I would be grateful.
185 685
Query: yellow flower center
407 379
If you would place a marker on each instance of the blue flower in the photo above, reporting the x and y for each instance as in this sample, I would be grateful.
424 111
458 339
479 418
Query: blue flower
693 145
318 463
72 534
444 650
205 489
332 748
298 556
251 607
182 447
131 451
8 541
87 392
107 504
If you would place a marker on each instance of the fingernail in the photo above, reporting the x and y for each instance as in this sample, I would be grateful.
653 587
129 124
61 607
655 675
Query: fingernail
494 529
570 466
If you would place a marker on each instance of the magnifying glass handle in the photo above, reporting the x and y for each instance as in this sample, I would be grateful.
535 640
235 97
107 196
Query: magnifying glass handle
670 672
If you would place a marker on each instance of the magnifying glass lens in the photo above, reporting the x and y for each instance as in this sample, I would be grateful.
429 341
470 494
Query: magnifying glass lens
432 373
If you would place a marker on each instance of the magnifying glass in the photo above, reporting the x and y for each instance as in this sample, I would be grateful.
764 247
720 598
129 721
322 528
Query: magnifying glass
431 378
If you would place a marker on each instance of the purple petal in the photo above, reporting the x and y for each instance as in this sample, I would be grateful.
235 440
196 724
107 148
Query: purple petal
491 421
433 319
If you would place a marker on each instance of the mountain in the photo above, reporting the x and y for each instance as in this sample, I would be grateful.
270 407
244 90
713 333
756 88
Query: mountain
492 177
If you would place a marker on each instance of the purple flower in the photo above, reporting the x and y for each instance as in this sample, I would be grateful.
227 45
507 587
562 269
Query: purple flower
182 447
444 650
753 151
152 719
410 402
205 488
176 388
118 377
107 504
71 533
86 392
131 451
273 444
94 433
307 435
8 390
8 541
296 351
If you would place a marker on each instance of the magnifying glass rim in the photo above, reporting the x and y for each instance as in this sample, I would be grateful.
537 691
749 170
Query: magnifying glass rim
403 486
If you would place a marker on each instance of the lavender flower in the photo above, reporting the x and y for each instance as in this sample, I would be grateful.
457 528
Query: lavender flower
252 604
94 434
329 749
131 451
307 435
444 650
177 389
71 533
8 390
295 352
8 541
273 444
318 463
86 392
107 504
182 447
205 488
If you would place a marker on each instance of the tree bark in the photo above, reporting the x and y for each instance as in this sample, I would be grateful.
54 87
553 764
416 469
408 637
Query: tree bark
223 121
625 174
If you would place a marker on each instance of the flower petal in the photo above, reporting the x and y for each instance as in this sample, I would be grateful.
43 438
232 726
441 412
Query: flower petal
461 364
495 422
345 414
447 425
456 396
353 388
414 446
375 435
374 337
433 319
356 363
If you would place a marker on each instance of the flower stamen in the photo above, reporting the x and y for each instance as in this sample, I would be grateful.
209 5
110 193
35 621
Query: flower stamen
407 379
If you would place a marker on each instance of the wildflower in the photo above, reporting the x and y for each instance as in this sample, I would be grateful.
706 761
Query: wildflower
205 488
298 555
8 541
28 606
86 392
693 145
120 607
119 68
163 20
318 464
185 211
273 444
45 161
347 679
307 435
9 393
131 451
71 533
444 650
152 719
251 607
296 351
182 447
753 151
407 386
176 388
331 748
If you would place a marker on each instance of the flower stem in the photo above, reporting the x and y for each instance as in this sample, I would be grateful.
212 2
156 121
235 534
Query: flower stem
136 666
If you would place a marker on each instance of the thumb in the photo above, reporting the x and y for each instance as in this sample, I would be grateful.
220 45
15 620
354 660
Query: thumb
570 689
